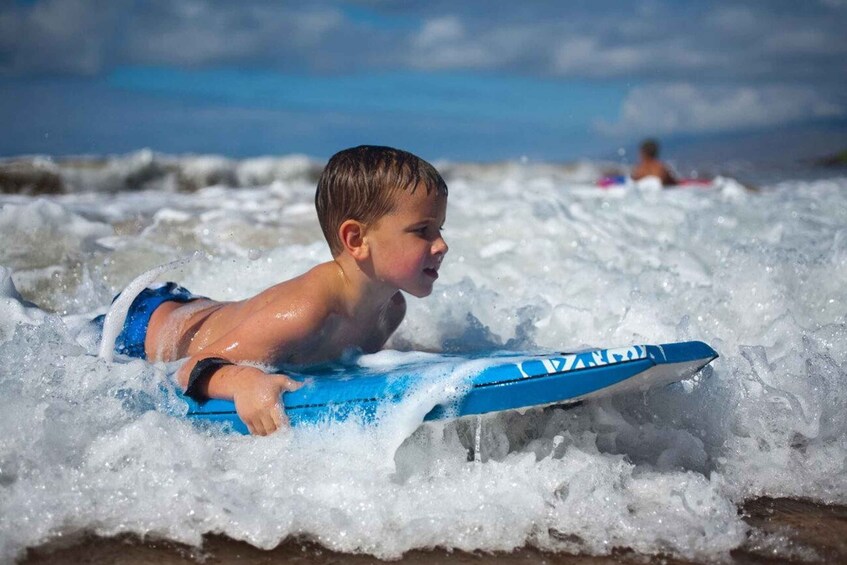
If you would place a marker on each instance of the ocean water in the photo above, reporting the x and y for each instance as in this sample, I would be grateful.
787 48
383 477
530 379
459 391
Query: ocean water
539 260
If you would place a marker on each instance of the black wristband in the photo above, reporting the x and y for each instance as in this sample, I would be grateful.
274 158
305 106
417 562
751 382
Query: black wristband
200 375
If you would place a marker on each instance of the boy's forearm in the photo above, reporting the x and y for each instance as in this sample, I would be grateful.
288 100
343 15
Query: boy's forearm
256 394
223 383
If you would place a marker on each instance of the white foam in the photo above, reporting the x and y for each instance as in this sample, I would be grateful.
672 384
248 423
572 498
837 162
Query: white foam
15 309
30 226
538 260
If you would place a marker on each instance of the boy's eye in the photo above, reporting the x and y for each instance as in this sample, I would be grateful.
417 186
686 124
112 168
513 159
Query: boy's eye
427 231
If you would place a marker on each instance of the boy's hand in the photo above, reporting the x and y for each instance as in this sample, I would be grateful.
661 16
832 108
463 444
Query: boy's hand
258 400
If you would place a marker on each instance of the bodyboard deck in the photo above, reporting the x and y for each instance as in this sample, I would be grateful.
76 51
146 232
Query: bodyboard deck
505 382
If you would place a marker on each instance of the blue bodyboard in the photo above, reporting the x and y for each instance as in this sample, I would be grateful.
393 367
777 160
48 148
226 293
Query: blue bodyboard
502 382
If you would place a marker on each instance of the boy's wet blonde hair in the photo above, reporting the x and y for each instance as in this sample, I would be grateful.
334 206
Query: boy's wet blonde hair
361 183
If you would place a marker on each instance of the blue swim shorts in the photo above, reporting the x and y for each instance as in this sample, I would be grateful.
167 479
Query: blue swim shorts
131 339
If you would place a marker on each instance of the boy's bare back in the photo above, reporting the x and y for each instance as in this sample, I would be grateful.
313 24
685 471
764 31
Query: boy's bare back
299 321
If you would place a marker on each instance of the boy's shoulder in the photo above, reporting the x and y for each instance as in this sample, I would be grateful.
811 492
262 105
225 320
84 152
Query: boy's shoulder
297 307
316 289
317 294
302 308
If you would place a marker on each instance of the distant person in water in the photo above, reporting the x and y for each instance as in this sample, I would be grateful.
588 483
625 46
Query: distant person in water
381 211
650 165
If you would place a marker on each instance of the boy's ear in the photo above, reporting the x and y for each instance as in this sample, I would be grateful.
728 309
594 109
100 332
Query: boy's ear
352 235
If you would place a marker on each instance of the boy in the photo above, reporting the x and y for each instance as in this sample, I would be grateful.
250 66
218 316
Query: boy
650 166
381 211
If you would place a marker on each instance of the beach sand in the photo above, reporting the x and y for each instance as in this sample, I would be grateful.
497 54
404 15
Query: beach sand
782 530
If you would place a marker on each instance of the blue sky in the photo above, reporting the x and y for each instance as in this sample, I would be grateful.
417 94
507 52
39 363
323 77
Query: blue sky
473 80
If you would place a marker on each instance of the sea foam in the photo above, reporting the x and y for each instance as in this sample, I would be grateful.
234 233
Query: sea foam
539 260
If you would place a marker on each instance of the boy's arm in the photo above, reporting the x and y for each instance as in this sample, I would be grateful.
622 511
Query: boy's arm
263 338
256 394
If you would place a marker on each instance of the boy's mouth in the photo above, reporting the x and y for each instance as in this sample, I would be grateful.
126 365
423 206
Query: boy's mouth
431 273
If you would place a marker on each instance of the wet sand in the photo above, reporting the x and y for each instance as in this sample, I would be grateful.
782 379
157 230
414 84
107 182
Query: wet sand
782 530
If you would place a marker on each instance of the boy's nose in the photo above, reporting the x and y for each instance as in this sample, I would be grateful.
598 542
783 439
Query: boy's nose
439 246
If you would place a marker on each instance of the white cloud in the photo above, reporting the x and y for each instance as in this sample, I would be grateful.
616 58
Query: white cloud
199 32
442 43
648 40
684 107
722 41
585 55
56 35
90 36
436 31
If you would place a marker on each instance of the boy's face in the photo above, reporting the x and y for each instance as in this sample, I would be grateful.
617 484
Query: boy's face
406 247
